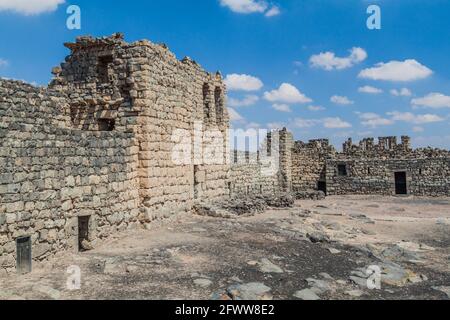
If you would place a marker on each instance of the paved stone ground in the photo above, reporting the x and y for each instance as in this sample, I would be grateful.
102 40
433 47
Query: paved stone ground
316 250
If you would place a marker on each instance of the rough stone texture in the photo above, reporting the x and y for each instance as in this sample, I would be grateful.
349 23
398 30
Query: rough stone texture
124 134
370 168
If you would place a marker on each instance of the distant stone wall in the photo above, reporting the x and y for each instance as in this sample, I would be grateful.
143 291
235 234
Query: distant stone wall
253 176
50 175
308 164
371 169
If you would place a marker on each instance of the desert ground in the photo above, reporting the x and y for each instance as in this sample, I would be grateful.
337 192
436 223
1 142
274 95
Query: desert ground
315 250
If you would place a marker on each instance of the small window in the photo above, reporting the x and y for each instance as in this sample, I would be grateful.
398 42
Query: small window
420 172
342 170
369 171
106 124
104 64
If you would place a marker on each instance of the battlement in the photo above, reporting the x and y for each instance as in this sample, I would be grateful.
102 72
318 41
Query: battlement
384 144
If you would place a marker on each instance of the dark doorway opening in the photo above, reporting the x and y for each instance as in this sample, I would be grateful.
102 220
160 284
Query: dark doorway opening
322 186
83 233
23 263
106 124
400 183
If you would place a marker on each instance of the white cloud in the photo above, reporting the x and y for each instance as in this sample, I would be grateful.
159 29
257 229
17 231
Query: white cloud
3 63
335 123
370 90
328 60
251 6
234 116
315 108
414 118
30 7
282 107
275 125
249 100
404 92
329 123
242 82
418 129
374 120
342 100
433 100
287 93
305 123
272 12
402 71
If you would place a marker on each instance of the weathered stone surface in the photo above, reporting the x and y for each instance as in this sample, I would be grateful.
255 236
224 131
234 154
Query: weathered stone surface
307 295
250 291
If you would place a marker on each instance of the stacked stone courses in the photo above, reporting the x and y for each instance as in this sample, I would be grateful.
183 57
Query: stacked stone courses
92 154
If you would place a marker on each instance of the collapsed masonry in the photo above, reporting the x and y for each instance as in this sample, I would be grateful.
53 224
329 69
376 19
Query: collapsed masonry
103 149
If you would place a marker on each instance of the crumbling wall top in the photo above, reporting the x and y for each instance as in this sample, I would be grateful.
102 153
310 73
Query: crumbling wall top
84 42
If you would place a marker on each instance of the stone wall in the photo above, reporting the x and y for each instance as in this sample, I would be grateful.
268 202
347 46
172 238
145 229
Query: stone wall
308 164
102 141
370 169
165 102
50 174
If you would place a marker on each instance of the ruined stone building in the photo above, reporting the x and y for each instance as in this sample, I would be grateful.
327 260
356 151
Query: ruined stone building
126 133
386 168
103 148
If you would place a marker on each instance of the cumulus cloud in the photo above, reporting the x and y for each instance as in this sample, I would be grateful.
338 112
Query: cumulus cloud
251 6
282 107
272 12
404 92
370 90
3 63
305 123
328 60
329 123
247 101
342 100
433 100
315 108
335 123
242 82
415 118
275 125
374 120
234 115
30 7
401 71
287 94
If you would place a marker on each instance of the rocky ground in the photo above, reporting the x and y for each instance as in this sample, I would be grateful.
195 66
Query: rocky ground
315 250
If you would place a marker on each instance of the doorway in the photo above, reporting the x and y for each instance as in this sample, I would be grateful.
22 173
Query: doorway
322 186
400 183
83 232
23 263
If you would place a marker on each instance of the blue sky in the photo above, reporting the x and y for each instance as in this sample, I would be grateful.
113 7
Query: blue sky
311 65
